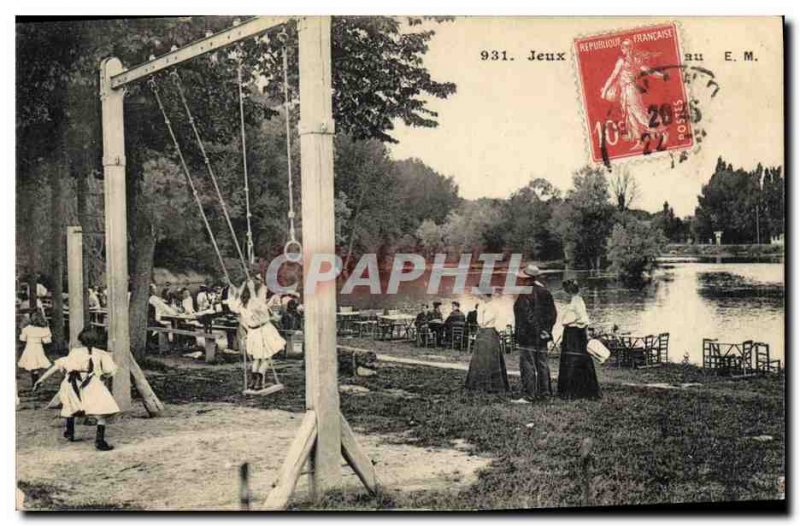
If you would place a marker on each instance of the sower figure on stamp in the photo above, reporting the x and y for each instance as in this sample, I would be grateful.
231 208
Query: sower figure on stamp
534 316
621 86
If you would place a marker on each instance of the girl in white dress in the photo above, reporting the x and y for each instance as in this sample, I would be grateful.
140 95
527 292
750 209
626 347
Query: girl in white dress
263 340
35 335
83 392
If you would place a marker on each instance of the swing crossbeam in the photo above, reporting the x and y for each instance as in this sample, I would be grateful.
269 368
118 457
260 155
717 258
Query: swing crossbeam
250 28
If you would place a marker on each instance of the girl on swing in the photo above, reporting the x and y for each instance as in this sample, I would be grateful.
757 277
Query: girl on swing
263 340
83 392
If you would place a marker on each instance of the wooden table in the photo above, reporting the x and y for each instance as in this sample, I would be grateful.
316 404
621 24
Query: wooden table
399 325
344 322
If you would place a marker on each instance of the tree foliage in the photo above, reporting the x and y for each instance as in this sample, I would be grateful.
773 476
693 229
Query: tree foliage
633 248
673 228
747 206
527 226
585 219
624 188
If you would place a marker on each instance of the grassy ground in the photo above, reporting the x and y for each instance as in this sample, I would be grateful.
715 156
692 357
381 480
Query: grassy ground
720 441
650 445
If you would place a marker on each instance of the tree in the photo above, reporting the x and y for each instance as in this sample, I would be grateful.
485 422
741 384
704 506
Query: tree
674 229
732 202
584 219
624 188
430 237
527 227
426 193
633 249
773 201
379 77
466 228
366 174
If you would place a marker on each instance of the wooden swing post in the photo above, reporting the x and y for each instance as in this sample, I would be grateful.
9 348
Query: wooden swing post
75 282
324 436
112 103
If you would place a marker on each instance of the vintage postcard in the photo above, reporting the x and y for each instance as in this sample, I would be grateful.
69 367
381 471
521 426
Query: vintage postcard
400 263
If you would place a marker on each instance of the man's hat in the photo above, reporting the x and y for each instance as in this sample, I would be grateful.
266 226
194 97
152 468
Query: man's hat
530 271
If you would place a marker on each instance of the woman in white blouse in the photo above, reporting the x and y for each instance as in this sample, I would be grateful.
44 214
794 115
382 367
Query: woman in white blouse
576 375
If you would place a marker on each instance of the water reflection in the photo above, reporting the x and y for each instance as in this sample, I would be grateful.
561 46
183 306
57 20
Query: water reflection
730 301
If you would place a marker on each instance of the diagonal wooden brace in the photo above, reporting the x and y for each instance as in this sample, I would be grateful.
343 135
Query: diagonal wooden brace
300 453
360 463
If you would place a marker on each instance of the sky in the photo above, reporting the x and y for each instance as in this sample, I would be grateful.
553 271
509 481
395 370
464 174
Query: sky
512 121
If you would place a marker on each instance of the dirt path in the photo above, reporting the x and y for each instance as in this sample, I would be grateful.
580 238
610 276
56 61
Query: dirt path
189 459
388 358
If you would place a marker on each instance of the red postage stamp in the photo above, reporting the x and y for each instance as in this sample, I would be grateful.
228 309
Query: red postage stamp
633 92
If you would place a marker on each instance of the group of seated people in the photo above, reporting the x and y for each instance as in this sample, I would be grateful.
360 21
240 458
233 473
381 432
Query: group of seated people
443 327
209 299
173 302
289 309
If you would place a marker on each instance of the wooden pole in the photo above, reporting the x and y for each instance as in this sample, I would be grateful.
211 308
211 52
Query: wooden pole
316 168
244 486
116 228
324 436
75 282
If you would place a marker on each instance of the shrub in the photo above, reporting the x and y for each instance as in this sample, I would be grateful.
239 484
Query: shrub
633 248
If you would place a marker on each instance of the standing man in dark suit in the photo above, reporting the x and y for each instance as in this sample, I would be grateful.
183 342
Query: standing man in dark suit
472 319
534 316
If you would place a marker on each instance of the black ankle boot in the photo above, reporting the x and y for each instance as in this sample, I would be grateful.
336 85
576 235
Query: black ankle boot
100 443
69 429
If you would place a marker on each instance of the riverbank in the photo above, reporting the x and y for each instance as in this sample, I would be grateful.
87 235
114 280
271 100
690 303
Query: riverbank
738 251
667 435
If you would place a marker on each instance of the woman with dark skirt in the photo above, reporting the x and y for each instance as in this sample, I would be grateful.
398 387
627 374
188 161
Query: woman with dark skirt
576 375
487 369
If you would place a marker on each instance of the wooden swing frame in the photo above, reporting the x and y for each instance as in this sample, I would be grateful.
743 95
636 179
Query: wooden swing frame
324 435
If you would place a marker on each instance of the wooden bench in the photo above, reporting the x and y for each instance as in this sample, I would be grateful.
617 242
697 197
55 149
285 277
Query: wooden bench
163 340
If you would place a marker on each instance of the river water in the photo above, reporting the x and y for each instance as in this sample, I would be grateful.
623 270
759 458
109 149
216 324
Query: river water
731 300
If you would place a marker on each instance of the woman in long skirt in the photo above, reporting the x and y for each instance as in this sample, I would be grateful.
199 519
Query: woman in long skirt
83 392
487 369
35 335
576 375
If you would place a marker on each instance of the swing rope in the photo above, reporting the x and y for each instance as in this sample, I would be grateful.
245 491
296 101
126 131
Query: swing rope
177 80
154 88
250 252
291 256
